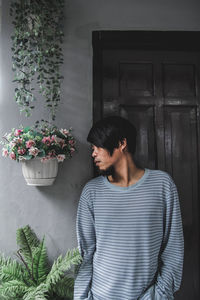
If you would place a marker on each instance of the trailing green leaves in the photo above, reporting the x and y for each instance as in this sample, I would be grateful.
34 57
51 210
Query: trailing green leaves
37 53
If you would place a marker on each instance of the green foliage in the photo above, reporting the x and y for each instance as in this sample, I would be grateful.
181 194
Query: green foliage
37 53
65 287
32 278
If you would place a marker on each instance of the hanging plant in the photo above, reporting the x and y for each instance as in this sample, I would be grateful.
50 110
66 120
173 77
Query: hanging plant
37 53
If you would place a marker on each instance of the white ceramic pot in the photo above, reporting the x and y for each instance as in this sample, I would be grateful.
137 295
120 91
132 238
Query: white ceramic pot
40 173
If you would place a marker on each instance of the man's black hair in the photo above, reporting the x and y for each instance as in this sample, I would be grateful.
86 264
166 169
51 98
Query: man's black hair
109 131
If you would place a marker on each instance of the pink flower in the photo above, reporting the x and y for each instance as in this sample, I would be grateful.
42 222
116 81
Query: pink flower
12 156
71 142
52 154
33 151
61 142
45 159
72 150
46 140
30 143
58 140
4 152
60 157
17 132
21 151
53 138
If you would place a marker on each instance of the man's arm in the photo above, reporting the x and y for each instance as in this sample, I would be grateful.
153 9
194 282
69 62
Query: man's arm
87 244
172 252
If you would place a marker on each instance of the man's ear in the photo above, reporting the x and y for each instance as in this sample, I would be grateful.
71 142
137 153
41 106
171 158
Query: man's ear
123 144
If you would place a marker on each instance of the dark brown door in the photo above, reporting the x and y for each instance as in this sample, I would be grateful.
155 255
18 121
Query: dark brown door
158 91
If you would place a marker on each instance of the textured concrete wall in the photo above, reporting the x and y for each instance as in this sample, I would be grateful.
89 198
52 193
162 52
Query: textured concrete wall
52 210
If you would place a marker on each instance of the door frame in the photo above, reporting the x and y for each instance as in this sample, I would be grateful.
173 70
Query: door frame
186 41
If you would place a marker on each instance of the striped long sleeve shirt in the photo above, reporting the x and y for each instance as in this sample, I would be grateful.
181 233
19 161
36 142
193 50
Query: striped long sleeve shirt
130 239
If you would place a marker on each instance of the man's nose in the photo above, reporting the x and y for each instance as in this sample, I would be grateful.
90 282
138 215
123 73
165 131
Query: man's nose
94 153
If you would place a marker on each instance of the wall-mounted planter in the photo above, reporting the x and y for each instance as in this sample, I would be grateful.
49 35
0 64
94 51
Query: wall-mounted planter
39 173
29 146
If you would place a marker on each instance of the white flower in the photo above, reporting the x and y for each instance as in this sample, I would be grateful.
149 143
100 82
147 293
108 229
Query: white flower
8 136
64 131
60 157
12 144
21 158
33 151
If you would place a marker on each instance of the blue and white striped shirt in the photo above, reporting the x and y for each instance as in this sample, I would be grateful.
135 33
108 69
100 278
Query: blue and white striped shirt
130 238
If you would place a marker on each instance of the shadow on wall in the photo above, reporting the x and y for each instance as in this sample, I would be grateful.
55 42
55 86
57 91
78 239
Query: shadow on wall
72 176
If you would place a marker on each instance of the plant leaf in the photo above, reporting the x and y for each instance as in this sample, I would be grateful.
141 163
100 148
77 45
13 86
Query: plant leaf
40 263
65 288
27 241
12 289
37 293
12 270
62 265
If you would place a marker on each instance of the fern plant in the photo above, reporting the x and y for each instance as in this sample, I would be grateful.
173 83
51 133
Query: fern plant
32 277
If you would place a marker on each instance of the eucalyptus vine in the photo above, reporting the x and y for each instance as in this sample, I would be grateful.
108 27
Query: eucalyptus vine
37 53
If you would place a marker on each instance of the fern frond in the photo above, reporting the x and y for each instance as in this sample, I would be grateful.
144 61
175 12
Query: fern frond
40 263
65 288
38 293
73 257
56 272
27 241
12 289
11 270
62 265
3 260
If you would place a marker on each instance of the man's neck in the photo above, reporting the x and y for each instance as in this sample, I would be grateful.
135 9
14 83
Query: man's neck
126 173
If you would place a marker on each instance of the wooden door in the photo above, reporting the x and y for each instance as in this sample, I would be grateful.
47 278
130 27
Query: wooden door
158 91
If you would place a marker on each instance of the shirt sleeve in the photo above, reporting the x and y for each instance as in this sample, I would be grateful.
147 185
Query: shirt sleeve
172 251
86 238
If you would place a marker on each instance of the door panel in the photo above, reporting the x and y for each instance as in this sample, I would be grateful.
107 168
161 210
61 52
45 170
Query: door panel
181 161
143 117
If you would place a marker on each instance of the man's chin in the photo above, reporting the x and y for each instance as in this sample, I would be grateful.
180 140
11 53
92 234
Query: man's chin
106 172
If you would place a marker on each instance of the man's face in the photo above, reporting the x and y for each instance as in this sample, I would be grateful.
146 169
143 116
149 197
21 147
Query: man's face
104 162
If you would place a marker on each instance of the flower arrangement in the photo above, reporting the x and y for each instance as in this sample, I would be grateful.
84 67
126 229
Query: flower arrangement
46 143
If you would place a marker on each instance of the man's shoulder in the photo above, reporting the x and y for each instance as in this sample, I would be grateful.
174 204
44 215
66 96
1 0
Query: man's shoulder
94 181
161 176
92 184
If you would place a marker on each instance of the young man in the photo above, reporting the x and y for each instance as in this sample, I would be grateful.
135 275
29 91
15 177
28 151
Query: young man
129 226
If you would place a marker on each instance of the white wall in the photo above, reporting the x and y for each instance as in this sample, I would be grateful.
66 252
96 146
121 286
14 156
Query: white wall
52 210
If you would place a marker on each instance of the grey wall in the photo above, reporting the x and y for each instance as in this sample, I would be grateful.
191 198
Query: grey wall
52 210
